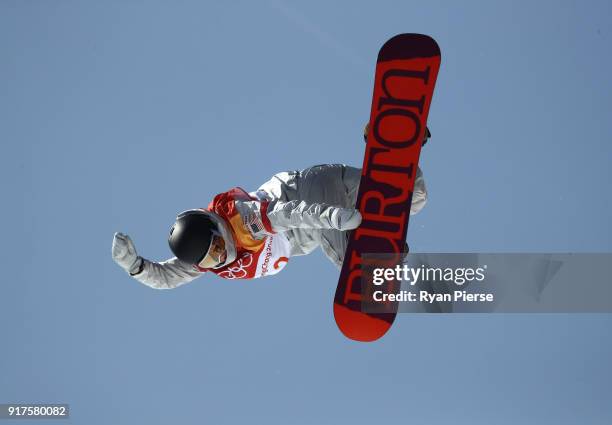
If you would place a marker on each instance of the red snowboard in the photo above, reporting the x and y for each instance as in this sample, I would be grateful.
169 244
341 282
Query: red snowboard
406 72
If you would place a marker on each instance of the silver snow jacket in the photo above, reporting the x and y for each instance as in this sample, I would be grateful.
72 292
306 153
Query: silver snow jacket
292 210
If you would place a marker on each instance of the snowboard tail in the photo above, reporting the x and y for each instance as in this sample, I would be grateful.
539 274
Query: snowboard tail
406 72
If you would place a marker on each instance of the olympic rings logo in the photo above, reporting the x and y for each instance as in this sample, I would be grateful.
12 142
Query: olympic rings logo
238 271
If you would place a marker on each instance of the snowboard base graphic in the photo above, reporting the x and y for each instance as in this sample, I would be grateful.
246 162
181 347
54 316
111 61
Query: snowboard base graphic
406 72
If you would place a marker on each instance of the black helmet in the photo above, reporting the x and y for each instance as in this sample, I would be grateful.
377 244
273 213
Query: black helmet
191 235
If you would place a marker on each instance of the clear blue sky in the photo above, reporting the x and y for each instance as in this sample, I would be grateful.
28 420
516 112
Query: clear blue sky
114 116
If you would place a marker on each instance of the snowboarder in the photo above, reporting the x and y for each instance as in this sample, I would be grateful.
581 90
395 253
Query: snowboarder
244 235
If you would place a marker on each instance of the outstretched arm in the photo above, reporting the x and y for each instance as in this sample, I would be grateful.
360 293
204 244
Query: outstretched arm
168 274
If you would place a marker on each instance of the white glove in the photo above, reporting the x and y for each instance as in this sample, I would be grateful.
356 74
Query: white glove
346 218
124 254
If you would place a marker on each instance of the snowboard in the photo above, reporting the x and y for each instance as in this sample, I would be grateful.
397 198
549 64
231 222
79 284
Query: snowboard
406 71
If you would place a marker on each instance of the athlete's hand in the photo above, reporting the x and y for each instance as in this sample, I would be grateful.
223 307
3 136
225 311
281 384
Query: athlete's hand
346 218
124 253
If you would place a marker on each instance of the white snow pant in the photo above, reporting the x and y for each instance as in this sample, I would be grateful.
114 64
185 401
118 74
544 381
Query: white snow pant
333 184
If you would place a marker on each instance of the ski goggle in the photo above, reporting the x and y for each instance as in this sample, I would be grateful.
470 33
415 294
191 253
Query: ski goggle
216 253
